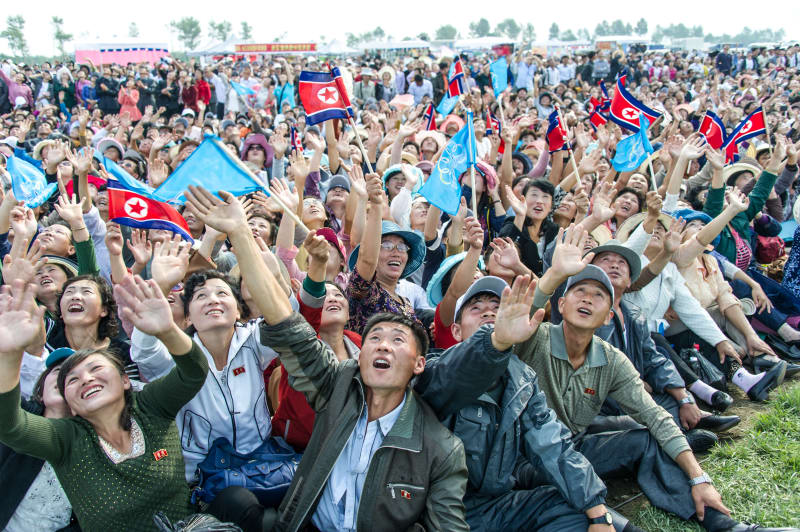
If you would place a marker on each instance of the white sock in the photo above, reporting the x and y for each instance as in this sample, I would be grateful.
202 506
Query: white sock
788 333
745 380
702 390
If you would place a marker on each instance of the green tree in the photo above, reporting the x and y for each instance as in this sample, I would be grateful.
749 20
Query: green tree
568 36
641 27
446 32
602 29
247 31
133 30
554 32
619 28
15 35
59 35
424 37
528 32
509 27
188 29
220 30
584 35
480 28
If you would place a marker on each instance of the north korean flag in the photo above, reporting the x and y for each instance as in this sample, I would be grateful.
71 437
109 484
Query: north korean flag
430 118
713 130
625 109
322 98
596 119
493 124
133 209
556 133
456 84
294 138
754 125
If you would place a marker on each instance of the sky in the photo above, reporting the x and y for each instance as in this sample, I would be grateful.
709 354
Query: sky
104 21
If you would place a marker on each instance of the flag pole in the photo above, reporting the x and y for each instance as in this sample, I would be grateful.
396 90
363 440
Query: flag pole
502 113
569 148
471 167
361 145
766 127
652 173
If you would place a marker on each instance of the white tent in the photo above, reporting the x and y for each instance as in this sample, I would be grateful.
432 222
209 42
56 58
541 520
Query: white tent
336 47
218 47
394 45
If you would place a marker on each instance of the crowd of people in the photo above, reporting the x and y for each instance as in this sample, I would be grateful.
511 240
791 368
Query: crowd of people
487 370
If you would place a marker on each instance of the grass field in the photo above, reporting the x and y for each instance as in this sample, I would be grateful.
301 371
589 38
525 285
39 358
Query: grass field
756 470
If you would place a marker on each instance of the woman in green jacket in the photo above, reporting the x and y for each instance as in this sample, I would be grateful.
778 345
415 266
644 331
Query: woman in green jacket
119 457
734 241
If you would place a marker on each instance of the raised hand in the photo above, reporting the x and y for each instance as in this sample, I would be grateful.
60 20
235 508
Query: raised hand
279 145
674 236
280 189
693 147
140 247
473 239
603 198
581 200
226 215
506 254
114 240
170 262
300 166
157 173
20 318
588 164
513 323
358 185
21 263
517 204
70 210
343 144
737 200
715 157
317 248
375 191
144 305
568 256
654 203
81 161
23 222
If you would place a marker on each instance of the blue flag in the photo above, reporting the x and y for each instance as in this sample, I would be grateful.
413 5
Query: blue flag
447 105
443 188
29 183
241 90
212 167
499 70
127 180
633 151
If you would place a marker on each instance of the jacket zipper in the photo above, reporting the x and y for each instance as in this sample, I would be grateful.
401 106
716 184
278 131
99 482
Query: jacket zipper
227 407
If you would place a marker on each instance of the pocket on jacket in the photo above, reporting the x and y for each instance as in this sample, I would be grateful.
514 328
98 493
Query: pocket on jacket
195 433
472 426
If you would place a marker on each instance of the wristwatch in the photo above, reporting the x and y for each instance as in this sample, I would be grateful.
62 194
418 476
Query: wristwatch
702 479
602 520
688 400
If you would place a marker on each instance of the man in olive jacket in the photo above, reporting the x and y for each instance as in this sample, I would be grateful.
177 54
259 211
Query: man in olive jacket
378 458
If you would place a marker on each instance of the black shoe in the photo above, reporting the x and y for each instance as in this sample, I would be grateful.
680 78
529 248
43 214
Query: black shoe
718 423
762 363
782 348
771 379
720 401
701 440
742 527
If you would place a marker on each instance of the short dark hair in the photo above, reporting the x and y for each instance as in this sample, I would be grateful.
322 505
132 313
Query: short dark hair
108 327
198 279
639 196
416 328
79 356
542 184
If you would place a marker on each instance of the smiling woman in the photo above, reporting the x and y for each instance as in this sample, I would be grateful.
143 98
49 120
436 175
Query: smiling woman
118 458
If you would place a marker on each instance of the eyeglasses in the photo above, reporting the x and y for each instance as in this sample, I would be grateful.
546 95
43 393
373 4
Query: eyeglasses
400 246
